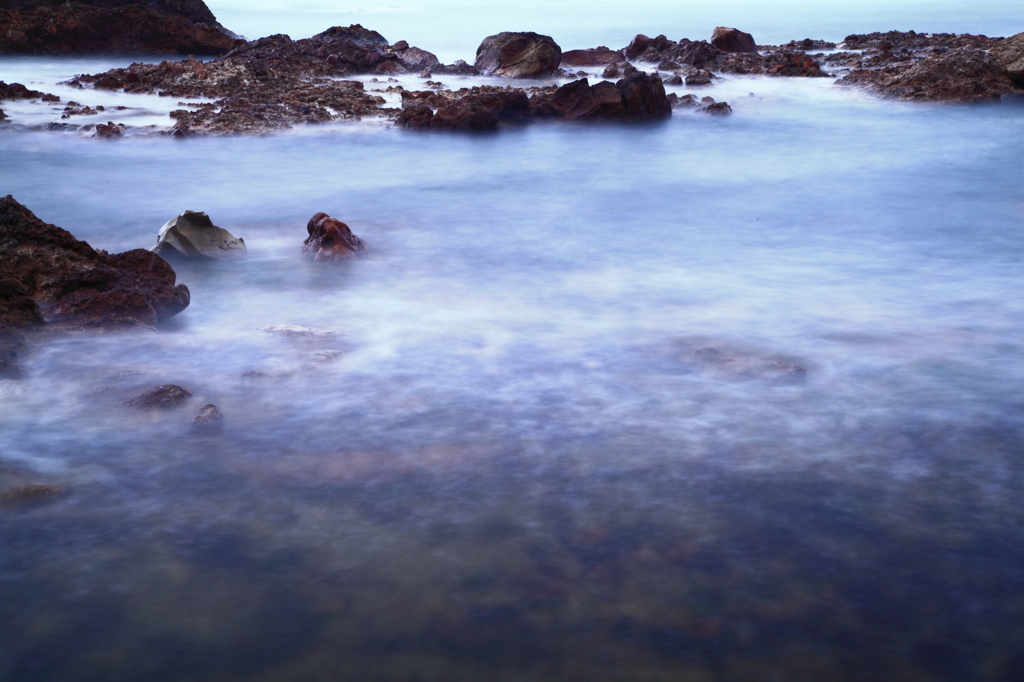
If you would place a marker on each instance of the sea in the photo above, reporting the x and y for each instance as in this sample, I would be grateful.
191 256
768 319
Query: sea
718 398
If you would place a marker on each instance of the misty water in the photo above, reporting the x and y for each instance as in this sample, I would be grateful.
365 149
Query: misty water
558 432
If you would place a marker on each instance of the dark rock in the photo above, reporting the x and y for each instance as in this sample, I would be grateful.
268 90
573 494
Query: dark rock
208 418
701 77
331 239
111 26
785 63
674 80
18 91
479 109
159 398
717 109
733 40
109 130
636 97
637 46
1010 52
598 56
809 44
518 55
9 367
611 71
687 101
76 286
3 116
667 66
18 311
357 35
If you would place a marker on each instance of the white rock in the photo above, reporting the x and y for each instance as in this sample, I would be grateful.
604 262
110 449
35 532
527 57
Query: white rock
193 234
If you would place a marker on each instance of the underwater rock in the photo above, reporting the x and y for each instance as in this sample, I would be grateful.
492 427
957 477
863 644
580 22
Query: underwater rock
16 488
518 55
77 287
193 234
111 27
733 40
295 331
159 398
208 418
331 239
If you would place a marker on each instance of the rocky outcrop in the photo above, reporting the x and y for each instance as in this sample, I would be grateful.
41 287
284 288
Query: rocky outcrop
163 397
194 235
733 40
636 97
518 55
963 74
703 55
331 239
111 26
208 418
1010 52
78 287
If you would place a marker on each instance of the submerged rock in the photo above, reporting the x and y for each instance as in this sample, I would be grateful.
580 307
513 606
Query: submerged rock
208 418
77 287
519 55
193 234
295 331
159 398
733 40
111 26
331 239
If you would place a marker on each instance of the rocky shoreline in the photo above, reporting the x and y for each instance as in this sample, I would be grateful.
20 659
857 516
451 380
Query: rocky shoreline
275 83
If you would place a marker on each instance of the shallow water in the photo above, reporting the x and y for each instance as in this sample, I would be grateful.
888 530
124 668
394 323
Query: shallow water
517 458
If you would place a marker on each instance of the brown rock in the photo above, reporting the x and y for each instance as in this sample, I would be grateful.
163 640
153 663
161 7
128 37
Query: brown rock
717 109
518 55
1010 52
331 239
636 97
598 56
76 286
733 40
17 310
159 398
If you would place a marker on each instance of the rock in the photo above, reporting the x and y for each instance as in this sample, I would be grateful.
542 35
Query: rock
18 91
717 109
667 66
358 36
611 71
18 312
598 56
17 489
741 364
809 44
109 130
159 398
9 367
636 97
208 418
3 116
331 239
965 74
76 286
111 26
478 109
518 55
1010 52
193 234
414 59
701 77
674 80
733 40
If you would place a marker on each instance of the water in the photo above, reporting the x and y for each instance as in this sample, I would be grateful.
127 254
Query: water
515 460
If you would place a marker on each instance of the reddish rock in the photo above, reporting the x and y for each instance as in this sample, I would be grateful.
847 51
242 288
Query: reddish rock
109 130
159 398
1010 51
18 311
733 40
598 56
111 26
519 55
637 46
479 109
76 286
331 239
19 91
